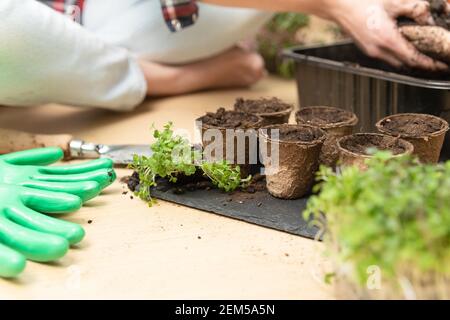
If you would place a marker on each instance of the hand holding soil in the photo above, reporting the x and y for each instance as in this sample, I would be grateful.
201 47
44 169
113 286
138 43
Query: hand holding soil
372 24
434 41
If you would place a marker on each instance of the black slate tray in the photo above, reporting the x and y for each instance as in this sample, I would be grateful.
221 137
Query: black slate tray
258 208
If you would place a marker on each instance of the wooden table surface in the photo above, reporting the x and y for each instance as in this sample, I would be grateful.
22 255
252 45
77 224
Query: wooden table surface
168 251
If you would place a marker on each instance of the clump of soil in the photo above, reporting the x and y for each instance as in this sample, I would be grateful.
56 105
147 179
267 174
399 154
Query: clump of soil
412 126
361 144
440 14
433 41
229 119
262 106
290 133
324 117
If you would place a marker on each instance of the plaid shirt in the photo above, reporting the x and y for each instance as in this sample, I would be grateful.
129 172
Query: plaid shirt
178 14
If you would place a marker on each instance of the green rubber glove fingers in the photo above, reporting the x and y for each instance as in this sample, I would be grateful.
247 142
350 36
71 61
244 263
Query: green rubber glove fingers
12 263
29 233
29 168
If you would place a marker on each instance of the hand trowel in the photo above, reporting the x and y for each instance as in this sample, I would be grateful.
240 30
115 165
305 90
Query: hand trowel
12 141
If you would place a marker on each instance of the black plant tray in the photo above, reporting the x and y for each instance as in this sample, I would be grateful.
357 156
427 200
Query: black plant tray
258 208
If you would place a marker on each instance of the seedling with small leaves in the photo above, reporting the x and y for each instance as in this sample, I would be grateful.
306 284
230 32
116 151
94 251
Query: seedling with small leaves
395 215
173 157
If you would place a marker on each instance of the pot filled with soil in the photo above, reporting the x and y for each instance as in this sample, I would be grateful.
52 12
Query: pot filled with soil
231 136
425 132
293 160
272 111
335 122
356 149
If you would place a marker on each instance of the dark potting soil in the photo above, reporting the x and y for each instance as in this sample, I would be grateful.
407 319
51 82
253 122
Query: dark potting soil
261 106
195 182
301 134
229 119
323 116
360 144
412 126
438 10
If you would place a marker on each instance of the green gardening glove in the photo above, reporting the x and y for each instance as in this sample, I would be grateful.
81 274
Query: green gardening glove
26 233
29 169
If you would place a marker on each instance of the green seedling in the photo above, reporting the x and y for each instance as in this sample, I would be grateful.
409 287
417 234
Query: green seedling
173 157
395 215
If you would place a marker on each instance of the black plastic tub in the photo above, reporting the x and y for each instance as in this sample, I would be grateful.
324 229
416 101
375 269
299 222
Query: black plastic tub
340 75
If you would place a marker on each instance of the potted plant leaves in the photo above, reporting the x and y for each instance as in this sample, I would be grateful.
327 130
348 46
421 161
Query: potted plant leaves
386 229
425 132
357 148
272 111
291 168
336 122
231 136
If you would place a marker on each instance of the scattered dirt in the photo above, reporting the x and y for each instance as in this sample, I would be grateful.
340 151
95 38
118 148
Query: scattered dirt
230 119
323 116
262 106
298 133
416 127
90 221
196 182
360 144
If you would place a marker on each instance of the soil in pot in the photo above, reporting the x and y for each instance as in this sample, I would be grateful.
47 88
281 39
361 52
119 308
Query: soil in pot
425 132
293 175
335 122
238 125
272 111
355 149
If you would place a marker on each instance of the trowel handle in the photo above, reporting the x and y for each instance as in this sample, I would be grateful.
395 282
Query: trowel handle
12 141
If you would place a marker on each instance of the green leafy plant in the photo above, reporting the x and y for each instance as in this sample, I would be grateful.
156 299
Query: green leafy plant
224 176
395 215
279 34
173 157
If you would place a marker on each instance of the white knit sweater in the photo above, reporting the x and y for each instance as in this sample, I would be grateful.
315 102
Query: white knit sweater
45 57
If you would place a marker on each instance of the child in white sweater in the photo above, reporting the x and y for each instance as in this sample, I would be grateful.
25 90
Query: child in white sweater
125 50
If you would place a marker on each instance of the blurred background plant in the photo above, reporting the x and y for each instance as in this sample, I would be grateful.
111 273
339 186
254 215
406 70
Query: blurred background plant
395 216
292 29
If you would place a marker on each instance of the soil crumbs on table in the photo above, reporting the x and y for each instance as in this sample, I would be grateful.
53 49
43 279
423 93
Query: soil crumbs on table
261 106
413 126
362 144
229 119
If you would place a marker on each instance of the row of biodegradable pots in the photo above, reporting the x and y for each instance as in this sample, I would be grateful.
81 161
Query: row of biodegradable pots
426 133
323 136
292 176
